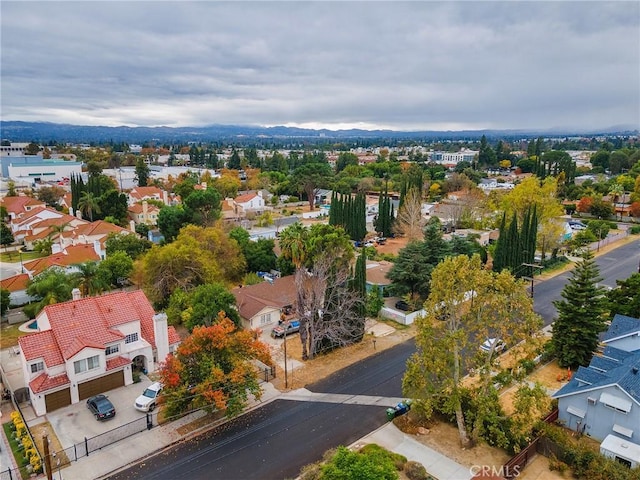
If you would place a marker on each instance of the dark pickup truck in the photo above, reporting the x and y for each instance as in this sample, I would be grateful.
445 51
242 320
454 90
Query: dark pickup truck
287 328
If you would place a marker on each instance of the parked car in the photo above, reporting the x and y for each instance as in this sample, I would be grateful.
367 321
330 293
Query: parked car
287 328
402 305
147 401
101 407
495 344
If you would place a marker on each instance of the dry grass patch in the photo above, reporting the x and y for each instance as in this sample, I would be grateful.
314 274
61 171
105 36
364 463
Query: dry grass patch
38 432
9 335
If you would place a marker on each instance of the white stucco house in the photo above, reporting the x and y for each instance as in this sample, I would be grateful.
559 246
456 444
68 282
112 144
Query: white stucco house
91 345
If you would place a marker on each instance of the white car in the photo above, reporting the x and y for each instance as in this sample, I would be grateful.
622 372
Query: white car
147 401
493 344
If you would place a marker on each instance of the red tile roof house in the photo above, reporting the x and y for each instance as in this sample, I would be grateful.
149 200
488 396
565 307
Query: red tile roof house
260 305
89 345
249 202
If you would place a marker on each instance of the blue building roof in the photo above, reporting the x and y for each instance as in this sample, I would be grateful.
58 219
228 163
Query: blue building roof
621 325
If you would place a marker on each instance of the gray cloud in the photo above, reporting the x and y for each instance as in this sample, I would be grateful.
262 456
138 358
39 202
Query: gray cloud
398 65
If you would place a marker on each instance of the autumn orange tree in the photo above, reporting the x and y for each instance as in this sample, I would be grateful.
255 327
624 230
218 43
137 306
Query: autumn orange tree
213 369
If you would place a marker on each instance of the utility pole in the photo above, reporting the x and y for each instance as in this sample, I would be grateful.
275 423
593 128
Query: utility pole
531 266
286 375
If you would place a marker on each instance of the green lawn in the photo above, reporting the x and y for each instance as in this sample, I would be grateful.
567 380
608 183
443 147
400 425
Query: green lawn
14 256
9 335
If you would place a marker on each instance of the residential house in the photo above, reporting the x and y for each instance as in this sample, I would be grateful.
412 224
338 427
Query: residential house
603 399
40 227
261 305
66 259
376 275
91 345
144 213
249 202
96 233
138 194
18 206
17 287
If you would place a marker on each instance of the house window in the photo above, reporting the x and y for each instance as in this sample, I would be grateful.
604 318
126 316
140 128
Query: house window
111 349
265 319
37 367
86 364
132 337
616 403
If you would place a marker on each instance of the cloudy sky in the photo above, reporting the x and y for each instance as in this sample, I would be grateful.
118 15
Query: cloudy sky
404 66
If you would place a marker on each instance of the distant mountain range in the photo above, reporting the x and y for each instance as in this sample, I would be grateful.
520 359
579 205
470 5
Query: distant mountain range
44 132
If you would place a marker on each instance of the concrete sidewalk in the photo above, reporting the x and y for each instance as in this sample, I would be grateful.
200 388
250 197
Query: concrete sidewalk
437 465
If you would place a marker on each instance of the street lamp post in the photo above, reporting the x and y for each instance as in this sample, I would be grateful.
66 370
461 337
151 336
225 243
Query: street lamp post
21 264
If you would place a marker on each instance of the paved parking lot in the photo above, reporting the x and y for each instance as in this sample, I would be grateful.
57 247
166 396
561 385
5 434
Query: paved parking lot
73 423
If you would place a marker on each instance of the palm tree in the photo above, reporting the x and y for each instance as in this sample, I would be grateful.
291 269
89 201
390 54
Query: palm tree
51 286
89 281
293 244
88 203
616 191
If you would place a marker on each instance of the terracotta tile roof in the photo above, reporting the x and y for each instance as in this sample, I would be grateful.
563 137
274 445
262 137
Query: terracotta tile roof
61 220
138 209
253 298
17 205
66 200
140 193
71 255
39 236
247 197
28 218
92 320
15 283
173 336
113 363
41 345
99 227
44 382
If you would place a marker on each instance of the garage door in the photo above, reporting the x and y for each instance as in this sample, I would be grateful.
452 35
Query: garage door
101 385
57 400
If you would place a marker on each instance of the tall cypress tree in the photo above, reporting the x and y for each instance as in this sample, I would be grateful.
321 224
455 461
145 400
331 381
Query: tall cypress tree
581 315
499 254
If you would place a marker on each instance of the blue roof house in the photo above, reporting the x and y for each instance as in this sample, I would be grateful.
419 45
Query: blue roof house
603 399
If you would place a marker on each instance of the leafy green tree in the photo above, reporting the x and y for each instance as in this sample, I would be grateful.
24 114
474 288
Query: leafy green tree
350 465
32 149
203 206
213 369
310 178
4 300
234 162
113 204
11 189
581 315
345 159
625 298
6 236
448 335
51 195
88 204
486 155
205 304
132 245
411 272
171 220
142 172
600 208
375 301
115 269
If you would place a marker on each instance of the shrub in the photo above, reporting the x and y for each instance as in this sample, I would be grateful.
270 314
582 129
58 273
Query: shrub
416 471
635 230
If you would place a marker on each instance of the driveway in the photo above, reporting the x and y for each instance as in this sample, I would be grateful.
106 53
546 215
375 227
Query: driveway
73 423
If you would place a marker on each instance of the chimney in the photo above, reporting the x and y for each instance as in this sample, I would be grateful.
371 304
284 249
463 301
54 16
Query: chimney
165 197
145 209
132 226
75 293
161 333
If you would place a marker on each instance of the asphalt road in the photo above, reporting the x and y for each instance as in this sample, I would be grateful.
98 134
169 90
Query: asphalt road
278 439
618 264
275 441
